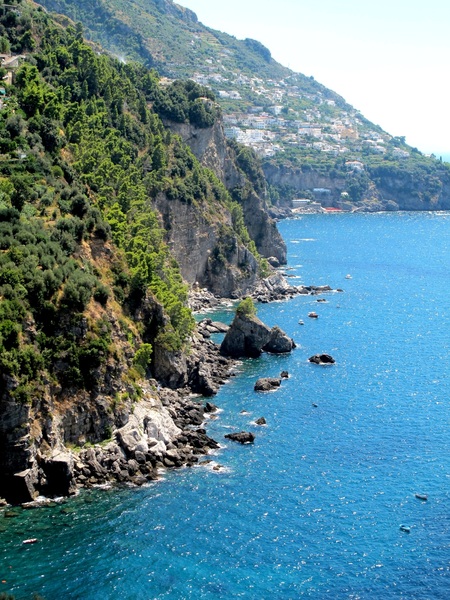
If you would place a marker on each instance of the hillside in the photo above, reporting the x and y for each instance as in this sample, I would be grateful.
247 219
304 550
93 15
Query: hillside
311 141
105 217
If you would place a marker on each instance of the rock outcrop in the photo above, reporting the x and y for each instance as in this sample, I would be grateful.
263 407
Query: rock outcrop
276 287
206 248
279 342
322 359
267 384
210 147
243 437
248 336
58 442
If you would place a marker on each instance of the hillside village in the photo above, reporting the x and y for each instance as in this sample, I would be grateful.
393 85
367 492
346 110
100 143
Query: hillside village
312 121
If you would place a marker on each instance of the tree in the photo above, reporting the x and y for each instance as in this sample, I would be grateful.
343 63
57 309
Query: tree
5 46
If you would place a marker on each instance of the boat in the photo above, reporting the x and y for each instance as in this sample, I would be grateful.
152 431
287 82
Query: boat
348 276
423 497
30 541
313 315
405 529
301 323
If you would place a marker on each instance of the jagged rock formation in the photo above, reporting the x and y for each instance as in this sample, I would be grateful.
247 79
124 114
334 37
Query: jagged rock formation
208 252
246 337
279 342
209 145
249 336
38 442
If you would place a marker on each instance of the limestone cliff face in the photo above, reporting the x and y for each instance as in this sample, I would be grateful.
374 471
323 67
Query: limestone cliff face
33 433
281 176
45 443
429 193
209 145
386 190
208 252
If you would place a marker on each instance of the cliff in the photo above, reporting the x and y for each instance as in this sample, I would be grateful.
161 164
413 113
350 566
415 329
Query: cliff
211 148
208 252
409 185
98 200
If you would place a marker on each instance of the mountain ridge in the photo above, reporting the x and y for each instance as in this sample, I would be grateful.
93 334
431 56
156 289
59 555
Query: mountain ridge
316 132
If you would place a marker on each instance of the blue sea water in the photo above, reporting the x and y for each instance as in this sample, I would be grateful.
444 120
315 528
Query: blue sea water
313 508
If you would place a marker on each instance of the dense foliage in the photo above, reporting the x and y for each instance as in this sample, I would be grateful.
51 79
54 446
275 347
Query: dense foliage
83 154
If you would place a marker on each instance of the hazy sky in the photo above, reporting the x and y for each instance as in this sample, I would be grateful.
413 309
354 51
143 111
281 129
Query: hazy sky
390 59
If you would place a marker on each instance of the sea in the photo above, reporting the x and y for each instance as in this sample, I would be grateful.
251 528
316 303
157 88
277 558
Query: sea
323 504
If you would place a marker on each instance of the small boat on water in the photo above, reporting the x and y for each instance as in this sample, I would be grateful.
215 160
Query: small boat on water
405 529
348 276
313 315
423 497
30 541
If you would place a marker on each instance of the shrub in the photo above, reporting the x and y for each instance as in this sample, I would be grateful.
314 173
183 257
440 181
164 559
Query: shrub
246 308
142 358
78 291
101 294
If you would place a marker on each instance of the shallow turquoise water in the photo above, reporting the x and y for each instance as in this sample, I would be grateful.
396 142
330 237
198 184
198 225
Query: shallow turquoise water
313 508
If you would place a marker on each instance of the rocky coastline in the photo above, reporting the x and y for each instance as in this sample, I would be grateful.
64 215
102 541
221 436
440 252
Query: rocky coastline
274 288
165 428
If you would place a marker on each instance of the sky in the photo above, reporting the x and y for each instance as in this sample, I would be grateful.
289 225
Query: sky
389 59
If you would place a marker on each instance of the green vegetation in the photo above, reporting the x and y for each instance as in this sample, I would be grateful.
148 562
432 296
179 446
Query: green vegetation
83 155
246 308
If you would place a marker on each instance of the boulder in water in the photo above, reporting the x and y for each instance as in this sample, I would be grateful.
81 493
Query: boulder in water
267 384
322 359
279 342
246 337
243 437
